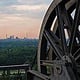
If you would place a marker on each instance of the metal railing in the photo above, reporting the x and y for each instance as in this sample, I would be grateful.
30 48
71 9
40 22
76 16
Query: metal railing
14 72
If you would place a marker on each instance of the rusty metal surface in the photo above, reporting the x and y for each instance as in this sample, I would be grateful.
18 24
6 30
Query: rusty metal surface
35 75
59 51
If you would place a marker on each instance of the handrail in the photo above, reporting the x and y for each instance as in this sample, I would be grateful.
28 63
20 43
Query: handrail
23 66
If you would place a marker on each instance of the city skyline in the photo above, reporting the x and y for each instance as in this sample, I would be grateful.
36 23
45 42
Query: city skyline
26 36
20 16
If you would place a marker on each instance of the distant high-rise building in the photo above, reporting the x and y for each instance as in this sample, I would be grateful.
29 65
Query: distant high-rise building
26 35
12 37
6 36
17 38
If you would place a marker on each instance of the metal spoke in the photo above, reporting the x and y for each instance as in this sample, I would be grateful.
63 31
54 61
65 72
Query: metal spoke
77 57
47 62
76 52
78 68
48 53
66 19
78 33
56 39
49 37
75 26
61 29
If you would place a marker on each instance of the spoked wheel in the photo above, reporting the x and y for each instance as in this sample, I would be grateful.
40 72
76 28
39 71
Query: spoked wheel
59 42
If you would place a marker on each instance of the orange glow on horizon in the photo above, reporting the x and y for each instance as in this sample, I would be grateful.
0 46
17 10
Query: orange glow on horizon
20 34
22 19
19 27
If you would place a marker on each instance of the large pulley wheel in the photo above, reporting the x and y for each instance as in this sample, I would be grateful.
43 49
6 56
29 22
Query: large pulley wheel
59 42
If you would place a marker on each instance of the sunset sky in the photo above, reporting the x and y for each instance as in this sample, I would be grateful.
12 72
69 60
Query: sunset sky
22 17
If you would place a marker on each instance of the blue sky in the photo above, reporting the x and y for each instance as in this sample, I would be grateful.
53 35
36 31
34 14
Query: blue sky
21 17
24 7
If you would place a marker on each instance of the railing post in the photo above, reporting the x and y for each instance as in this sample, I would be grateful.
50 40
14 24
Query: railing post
8 74
26 73
3 74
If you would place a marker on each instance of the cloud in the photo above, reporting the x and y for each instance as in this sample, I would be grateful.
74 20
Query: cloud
8 2
23 2
29 7
34 2
34 11
21 16
14 25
